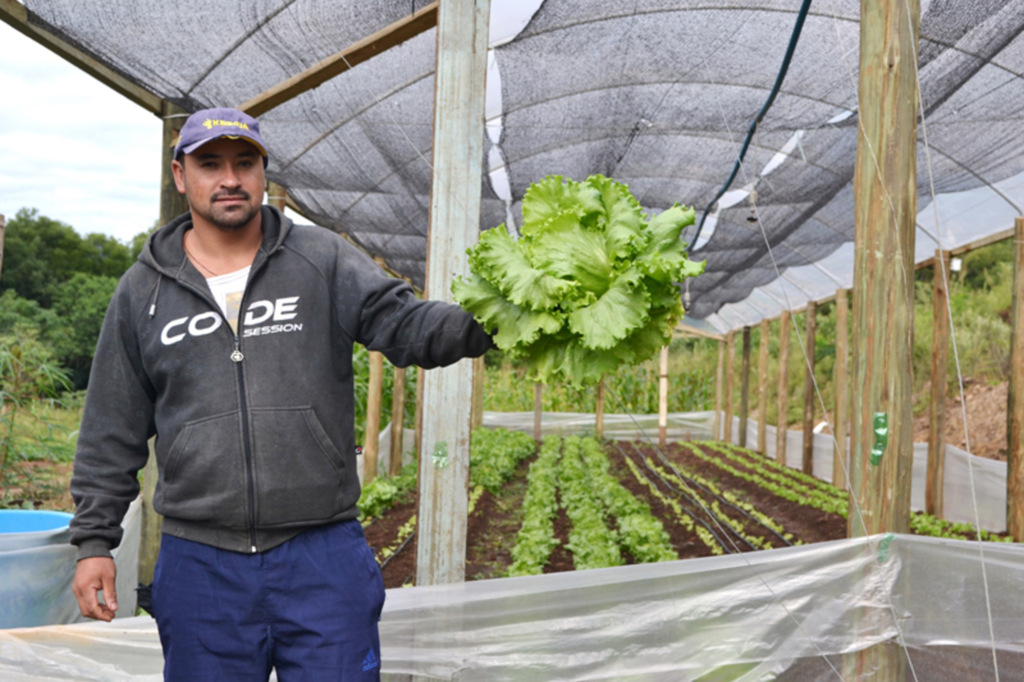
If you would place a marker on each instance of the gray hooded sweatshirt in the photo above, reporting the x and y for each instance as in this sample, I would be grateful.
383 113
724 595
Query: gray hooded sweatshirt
254 430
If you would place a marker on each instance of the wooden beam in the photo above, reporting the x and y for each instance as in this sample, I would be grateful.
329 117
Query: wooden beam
402 30
15 14
730 374
719 377
538 410
782 419
842 412
599 410
476 419
745 388
683 332
885 195
458 152
762 390
1015 408
807 460
374 395
277 196
936 472
172 204
663 398
397 421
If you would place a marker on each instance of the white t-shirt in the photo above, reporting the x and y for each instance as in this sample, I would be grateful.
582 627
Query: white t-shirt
227 291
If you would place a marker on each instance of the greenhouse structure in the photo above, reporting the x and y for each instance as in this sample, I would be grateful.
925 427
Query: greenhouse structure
830 149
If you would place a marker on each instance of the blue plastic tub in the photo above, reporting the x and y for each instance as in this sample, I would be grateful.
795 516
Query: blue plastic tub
32 521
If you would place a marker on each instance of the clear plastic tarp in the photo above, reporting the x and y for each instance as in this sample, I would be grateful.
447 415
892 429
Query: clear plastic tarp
797 613
36 570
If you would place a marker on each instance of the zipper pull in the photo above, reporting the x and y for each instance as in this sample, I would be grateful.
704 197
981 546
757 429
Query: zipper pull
236 356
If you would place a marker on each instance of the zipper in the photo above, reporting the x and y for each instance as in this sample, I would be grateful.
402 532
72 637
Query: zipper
237 357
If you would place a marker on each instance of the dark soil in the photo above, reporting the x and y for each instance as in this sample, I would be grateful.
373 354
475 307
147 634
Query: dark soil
493 526
382 533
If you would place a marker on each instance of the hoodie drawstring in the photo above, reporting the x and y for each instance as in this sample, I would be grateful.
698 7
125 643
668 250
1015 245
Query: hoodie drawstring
152 308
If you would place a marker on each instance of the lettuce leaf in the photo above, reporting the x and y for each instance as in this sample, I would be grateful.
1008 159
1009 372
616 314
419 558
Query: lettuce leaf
590 285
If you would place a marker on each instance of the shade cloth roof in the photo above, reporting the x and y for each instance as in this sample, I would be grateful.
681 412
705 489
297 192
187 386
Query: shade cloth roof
656 93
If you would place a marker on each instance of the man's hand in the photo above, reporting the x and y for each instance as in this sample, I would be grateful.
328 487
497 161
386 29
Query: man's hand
91 576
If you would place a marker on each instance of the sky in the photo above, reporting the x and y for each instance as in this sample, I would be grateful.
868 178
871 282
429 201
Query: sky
81 153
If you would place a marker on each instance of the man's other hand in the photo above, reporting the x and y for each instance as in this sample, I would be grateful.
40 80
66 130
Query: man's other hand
91 576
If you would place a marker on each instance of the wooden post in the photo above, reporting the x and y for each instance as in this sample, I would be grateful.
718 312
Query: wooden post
277 196
718 391
1015 409
842 416
745 387
418 412
479 375
458 152
172 204
730 353
3 224
812 327
936 475
374 395
885 195
663 398
538 409
599 410
397 421
762 390
782 420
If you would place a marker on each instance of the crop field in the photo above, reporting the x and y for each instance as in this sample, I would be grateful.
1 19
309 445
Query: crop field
576 503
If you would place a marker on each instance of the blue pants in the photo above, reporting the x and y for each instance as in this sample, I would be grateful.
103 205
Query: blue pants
308 608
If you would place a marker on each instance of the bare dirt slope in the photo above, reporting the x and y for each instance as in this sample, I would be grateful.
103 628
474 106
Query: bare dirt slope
986 420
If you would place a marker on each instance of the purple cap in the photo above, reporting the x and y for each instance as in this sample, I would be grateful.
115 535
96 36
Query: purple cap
211 124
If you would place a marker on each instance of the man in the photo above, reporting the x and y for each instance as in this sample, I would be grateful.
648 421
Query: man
231 341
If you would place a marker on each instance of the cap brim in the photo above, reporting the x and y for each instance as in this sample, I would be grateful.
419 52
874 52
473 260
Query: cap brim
196 145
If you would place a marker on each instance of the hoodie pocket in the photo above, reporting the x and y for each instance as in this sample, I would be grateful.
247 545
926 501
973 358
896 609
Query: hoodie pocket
299 471
204 474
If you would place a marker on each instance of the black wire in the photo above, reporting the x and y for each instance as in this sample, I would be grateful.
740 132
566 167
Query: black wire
794 38
396 552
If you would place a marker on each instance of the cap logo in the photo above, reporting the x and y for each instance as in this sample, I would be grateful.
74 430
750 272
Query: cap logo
209 123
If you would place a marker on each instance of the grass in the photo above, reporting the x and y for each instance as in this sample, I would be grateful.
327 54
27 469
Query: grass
38 467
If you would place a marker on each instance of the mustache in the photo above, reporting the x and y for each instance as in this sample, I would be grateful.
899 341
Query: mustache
239 193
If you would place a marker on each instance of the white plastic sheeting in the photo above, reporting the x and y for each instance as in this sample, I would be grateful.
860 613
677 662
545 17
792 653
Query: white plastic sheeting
759 616
989 475
35 576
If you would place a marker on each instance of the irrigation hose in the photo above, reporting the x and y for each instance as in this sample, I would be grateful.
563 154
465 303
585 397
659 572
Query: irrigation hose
794 38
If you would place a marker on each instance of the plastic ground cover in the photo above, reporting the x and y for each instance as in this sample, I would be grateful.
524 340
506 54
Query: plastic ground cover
779 614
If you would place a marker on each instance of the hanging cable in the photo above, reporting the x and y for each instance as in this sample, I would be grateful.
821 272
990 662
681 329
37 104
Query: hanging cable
794 38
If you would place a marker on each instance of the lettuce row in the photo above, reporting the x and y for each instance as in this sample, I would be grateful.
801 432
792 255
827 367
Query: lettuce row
591 284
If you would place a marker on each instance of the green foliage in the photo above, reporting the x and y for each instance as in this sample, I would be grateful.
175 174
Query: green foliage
383 492
592 543
27 374
588 287
536 537
40 254
642 535
926 524
494 455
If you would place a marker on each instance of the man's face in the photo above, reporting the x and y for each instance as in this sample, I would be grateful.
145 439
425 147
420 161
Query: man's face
223 181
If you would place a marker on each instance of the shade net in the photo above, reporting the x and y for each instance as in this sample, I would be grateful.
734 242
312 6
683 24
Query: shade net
656 93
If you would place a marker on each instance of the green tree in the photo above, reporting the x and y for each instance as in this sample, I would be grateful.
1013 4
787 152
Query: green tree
80 304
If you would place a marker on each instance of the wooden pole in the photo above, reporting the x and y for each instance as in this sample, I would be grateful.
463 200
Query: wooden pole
762 389
479 375
744 387
936 475
397 421
277 195
1015 409
3 224
842 386
719 377
663 398
374 395
782 420
418 412
812 328
730 353
599 411
172 204
885 195
458 152
538 409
